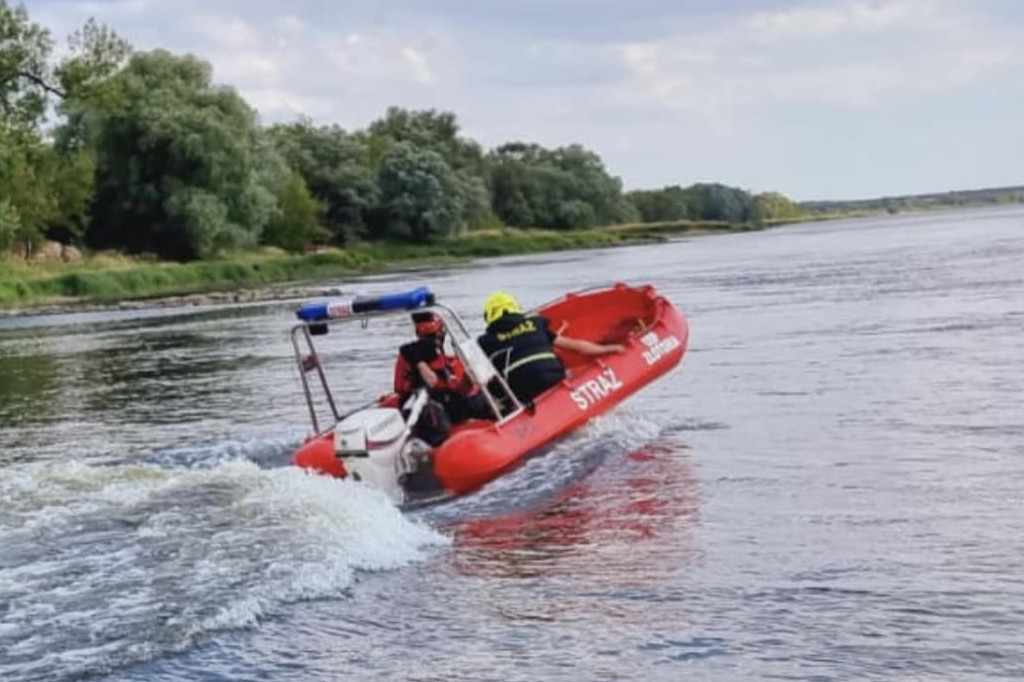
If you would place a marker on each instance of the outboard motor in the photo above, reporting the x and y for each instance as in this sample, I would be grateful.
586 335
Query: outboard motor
370 443
377 447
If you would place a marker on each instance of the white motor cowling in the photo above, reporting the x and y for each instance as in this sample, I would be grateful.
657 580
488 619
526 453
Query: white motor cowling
370 442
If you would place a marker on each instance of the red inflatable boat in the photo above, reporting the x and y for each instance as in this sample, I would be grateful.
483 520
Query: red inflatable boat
373 443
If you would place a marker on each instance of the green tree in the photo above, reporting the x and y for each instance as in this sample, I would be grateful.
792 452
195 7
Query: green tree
45 183
72 183
660 205
563 188
86 81
25 160
336 169
773 206
421 193
26 167
175 163
24 68
95 55
439 133
714 201
297 220
517 180
86 76
10 224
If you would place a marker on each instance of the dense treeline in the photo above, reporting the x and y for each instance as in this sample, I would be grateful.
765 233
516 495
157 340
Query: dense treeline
917 202
711 202
142 152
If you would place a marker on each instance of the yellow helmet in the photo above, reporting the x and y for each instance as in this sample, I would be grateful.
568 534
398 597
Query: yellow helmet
499 303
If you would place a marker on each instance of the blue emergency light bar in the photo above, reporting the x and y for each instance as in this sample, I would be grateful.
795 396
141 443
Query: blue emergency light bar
334 310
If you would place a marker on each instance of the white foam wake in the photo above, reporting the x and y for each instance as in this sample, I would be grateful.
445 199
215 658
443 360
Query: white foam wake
103 566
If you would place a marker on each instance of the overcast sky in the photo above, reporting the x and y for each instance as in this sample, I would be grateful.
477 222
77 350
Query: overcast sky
827 99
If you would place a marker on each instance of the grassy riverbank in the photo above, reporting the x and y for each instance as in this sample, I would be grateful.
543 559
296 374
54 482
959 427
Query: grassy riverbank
111 278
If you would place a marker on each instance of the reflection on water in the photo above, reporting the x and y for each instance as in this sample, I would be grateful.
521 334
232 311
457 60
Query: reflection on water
596 526
127 388
160 377
30 385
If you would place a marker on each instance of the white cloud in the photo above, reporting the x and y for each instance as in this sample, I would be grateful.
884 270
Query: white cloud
643 58
854 53
250 67
664 93
419 66
226 32
116 7
292 24
281 101
824 22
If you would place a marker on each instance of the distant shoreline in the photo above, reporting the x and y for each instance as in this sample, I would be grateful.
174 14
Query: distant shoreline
86 287
126 284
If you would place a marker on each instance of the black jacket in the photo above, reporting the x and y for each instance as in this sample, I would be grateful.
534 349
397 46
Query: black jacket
521 348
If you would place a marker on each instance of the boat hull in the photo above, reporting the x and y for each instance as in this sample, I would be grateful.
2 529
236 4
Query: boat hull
655 336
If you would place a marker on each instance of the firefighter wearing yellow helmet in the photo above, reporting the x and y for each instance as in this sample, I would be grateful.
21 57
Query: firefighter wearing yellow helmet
522 346
499 303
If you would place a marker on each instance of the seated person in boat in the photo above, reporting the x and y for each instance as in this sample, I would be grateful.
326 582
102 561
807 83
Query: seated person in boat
522 347
454 398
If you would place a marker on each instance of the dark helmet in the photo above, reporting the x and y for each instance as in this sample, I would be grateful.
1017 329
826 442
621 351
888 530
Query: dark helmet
428 324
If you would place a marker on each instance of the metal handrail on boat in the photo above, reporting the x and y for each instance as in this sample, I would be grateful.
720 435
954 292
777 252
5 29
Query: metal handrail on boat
477 365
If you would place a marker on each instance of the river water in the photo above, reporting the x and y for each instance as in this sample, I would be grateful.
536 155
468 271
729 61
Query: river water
830 487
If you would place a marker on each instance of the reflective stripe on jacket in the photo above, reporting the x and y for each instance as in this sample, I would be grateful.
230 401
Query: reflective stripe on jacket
515 342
